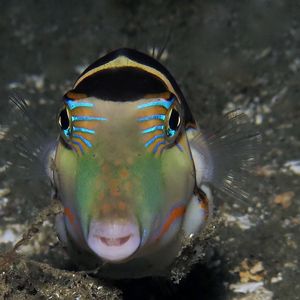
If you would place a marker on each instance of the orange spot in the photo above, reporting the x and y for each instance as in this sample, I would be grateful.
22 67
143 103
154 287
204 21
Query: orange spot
129 160
175 214
106 208
114 188
69 215
105 168
101 196
118 162
124 173
128 187
122 205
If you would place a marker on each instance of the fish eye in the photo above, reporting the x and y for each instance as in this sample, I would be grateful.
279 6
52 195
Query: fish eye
173 123
64 122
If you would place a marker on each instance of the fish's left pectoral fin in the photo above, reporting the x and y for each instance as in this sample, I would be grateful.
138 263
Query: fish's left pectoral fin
198 212
226 156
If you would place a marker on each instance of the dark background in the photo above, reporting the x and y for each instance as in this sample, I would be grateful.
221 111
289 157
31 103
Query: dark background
224 55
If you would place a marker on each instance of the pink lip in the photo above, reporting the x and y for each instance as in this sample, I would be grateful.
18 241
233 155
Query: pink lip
113 241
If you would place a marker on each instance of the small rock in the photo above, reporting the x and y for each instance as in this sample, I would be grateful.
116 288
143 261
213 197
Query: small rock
15 85
250 271
264 53
258 267
293 165
284 199
260 294
276 279
4 192
3 131
265 171
37 81
246 287
259 119
246 276
243 222
8 236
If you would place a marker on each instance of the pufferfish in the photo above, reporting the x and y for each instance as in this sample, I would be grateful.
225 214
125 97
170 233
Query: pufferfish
133 169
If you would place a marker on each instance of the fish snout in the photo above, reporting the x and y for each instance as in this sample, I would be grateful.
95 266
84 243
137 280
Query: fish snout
114 241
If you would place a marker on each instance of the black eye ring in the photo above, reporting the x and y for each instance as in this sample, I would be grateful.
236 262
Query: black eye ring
173 122
64 122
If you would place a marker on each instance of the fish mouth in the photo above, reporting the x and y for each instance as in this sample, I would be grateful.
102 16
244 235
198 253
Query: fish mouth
113 241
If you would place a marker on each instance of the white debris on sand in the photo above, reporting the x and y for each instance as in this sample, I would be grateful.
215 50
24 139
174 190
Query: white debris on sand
3 199
260 294
15 85
3 131
253 291
37 81
4 167
277 278
11 233
245 288
243 222
4 192
292 165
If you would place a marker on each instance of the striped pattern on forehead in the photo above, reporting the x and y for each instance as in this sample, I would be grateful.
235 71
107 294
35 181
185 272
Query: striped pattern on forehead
83 124
151 120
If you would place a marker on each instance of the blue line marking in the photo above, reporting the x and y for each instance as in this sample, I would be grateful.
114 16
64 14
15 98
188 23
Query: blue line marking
152 117
79 145
179 147
163 102
84 130
87 142
154 128
87 118
154 139
157 146
74 104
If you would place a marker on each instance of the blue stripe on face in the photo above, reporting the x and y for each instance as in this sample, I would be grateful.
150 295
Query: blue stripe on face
154 139
87 142
87 118
162 102
179 147
157 146
152 117
79 145
154 128
74 104
85 130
